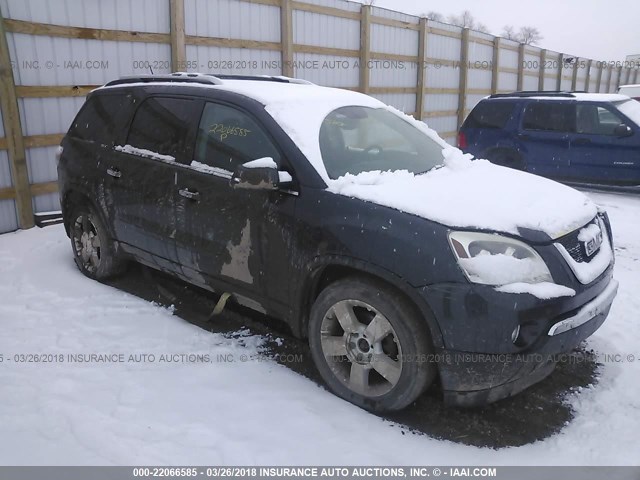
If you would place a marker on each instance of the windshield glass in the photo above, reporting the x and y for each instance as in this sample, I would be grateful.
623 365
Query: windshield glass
631 108
362 139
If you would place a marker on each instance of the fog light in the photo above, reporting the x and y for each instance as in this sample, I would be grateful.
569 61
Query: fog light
515 334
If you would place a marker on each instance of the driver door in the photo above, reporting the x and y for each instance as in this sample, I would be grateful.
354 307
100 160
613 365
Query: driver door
598 154
231 239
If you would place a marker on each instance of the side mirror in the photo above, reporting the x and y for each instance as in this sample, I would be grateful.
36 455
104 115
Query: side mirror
261 174
623 130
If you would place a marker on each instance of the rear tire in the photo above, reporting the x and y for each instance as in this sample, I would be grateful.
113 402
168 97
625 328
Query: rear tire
93 249
370 345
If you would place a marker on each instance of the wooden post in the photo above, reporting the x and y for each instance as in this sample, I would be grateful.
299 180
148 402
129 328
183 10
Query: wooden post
520 83
610 69
176 25
574 74
464 75
628 76
13 134
599 77
286 37
560 68
619 78
543 60
365 47
422 65
587 80
635 76
495 72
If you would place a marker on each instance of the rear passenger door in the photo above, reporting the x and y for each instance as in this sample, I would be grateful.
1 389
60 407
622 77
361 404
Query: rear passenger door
545 135
231 239
141 176
597 153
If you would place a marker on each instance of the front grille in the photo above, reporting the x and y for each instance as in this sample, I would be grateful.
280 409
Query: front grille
575 247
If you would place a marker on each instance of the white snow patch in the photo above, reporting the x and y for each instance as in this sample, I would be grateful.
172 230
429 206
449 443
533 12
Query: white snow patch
284 177
542 290
144 153
503 269
266 162
204 168
475 194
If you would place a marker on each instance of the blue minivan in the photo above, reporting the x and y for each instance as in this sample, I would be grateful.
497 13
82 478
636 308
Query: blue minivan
574 137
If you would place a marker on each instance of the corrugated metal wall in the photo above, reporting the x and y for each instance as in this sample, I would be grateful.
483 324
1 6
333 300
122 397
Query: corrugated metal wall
242 37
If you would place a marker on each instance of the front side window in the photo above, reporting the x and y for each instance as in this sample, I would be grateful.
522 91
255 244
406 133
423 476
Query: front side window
596 120
631 108
228 137
554 116
361 139
161 125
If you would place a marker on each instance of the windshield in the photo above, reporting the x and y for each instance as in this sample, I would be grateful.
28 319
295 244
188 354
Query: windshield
631 108
362 139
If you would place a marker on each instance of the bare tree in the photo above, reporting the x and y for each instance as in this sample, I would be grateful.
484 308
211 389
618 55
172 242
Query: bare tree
509 33
529 35
435 16
467 20
481 27
464 20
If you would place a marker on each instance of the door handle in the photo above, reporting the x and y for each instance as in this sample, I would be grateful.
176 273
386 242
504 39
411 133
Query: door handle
191 195
114 172
523 136
582 141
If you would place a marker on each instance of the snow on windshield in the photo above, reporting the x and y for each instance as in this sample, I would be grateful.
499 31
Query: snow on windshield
631 108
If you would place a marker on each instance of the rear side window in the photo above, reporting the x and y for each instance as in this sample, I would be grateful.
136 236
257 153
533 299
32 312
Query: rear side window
555 116
490 115
100 118
161 125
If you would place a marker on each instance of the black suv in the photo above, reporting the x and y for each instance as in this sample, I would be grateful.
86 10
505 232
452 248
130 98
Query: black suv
272 190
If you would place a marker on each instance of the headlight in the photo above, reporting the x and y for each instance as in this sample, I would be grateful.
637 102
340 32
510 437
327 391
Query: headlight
492 259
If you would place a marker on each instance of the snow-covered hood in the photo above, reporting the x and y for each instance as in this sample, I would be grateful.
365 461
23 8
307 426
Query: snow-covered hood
475 194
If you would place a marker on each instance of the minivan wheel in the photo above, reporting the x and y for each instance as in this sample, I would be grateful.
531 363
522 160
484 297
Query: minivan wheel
370 345
93 249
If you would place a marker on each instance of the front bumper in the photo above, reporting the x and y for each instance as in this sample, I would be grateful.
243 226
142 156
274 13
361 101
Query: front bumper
498 369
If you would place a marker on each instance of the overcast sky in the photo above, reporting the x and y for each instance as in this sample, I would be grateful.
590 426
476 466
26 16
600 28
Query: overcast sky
597 29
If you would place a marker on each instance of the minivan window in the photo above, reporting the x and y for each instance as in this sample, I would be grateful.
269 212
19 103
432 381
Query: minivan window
100 118
596 119
554 116
362 139
631 108
228 137
490 115
161 125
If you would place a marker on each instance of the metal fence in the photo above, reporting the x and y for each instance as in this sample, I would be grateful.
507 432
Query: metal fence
52 53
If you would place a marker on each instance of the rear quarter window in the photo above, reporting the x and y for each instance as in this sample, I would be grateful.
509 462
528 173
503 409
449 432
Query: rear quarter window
101 118
490 115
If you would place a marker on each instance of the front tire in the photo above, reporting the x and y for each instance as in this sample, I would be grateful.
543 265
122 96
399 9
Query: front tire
93 249
370 345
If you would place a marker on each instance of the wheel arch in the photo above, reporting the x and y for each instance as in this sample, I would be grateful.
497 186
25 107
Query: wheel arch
326 270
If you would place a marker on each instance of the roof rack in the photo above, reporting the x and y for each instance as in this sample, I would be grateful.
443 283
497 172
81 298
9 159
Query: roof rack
534 93
178 77
265 78
202 78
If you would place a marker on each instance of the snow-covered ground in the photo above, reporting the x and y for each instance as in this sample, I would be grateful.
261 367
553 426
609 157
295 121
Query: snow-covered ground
252 410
